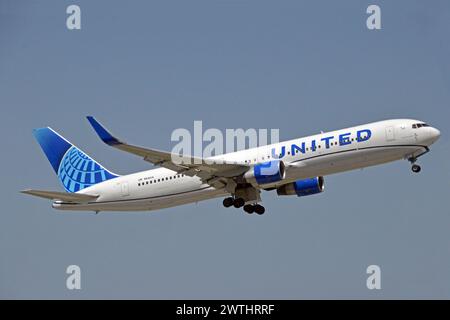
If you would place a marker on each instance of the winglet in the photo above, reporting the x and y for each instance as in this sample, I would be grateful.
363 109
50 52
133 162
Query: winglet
104 134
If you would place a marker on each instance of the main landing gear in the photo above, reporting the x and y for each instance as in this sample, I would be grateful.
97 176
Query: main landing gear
228 202
239 203
257 208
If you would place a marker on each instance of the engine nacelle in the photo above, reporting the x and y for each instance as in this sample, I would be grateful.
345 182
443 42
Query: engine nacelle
302 188
265 173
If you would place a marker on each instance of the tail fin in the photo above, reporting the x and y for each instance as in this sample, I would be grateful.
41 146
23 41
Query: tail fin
75 169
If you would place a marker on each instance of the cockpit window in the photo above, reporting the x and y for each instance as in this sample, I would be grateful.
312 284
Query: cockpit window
419 125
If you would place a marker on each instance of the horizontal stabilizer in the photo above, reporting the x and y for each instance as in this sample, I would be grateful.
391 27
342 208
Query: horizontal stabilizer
63 196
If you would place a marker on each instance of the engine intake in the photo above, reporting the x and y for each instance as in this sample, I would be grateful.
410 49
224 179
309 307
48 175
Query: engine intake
302 188
265 173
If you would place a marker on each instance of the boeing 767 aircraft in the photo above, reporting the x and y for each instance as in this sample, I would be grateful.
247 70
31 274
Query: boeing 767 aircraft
295 167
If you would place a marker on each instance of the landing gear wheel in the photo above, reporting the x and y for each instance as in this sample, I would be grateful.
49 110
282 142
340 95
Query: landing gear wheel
239 202
416 168
259 209
249 208
228 202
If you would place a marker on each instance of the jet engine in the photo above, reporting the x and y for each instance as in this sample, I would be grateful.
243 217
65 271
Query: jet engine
302 188
266 173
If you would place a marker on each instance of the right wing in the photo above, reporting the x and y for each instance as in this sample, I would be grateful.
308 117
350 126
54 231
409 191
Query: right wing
63 196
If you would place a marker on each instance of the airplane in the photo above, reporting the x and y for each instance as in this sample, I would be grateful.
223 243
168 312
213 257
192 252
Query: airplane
296 167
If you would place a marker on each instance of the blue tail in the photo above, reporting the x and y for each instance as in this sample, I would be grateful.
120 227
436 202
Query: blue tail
74 168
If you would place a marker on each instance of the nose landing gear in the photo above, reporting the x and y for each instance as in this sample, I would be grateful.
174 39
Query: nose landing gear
414 167
413 158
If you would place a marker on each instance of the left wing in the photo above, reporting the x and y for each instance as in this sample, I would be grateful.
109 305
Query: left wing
215 174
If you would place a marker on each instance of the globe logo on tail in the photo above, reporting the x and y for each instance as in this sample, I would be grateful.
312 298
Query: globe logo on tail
78 171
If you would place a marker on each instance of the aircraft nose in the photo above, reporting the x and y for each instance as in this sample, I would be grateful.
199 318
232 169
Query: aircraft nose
434 133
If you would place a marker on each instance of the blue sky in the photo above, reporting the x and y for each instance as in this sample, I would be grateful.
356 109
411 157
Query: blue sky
149 67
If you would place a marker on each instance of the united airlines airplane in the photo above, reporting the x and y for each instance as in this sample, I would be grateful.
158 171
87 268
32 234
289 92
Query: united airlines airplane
295 167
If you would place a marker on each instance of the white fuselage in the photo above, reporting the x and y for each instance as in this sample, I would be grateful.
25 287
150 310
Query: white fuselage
334 152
